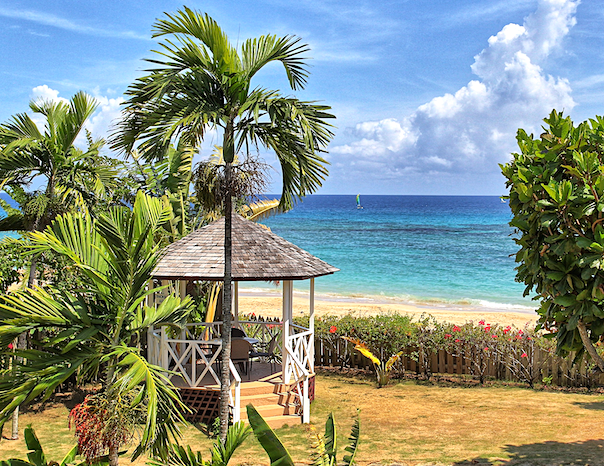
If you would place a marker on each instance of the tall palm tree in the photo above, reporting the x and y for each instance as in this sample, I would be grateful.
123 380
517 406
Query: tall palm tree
199 81
101 326
70 178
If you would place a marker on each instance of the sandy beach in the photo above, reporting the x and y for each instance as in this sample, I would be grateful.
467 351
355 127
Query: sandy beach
269 305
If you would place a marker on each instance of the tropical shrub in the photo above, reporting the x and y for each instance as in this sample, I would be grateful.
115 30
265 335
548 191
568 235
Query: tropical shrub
556 185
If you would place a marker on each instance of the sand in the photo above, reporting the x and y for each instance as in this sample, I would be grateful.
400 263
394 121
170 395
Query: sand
269 305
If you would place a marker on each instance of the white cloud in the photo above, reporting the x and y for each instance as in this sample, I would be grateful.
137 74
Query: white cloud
43 92
48 19
473 129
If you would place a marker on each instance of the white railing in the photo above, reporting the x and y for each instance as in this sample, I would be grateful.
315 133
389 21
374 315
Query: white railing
193 358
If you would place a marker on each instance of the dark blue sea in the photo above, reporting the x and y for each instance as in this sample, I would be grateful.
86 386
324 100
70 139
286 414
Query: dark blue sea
433 250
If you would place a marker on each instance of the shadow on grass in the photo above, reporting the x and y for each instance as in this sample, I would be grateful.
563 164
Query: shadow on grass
593 405
589 452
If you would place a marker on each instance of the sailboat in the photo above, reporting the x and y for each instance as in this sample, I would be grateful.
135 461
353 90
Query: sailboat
359 206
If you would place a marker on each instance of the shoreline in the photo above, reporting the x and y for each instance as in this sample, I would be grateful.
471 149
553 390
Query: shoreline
268 304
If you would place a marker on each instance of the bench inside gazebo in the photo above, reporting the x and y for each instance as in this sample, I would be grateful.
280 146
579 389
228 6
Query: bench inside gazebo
272 362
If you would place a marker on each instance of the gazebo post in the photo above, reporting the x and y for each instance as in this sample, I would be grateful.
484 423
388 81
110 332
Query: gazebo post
287 320
311 325
236 304
182 287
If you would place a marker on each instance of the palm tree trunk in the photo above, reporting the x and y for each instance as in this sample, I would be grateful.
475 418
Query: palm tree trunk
225 376
22 344
114 458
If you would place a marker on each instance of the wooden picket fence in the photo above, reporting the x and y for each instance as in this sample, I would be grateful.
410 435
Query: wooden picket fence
553 369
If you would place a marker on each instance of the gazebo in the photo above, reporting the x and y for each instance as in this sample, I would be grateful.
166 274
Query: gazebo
257 255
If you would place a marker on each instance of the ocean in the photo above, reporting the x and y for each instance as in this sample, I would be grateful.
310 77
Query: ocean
438 251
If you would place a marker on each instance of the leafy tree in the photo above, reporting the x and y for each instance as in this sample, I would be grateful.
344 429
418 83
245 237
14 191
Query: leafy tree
101 327
556 185
201 81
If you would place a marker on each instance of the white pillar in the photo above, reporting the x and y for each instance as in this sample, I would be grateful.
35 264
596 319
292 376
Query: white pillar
311 326
236 303
182 287
287 320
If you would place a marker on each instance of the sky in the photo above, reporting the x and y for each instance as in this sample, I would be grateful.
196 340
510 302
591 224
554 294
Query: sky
428 95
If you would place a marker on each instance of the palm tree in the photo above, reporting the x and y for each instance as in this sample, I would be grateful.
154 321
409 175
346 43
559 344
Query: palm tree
70 178
200 81
100 328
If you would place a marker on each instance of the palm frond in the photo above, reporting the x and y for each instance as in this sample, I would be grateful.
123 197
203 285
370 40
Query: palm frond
156 392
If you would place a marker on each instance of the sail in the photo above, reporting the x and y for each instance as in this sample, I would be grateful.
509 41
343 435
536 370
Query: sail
358 200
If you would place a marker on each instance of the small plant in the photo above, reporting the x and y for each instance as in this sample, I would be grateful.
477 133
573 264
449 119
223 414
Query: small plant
325 446
36 456
382 369
221 452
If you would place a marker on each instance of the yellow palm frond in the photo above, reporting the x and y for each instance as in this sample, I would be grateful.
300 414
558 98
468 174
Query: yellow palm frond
260 210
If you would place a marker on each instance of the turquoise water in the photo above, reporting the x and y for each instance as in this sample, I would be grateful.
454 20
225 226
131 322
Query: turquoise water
423 249
432 250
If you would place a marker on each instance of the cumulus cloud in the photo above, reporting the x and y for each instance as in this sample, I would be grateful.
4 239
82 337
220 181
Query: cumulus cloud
473 129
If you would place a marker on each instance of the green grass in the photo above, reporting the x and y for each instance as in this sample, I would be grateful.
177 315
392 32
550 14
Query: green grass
412 423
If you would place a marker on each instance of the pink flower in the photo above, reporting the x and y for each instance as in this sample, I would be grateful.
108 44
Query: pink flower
481 322
524 355
447 335
486 349
333 329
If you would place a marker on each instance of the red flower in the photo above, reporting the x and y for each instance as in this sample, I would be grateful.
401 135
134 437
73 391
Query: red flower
457 340
481 322
487 329
333 329
520 332
486 349
524 355
507 329
10 346
456 328
447 335
494 336
528 338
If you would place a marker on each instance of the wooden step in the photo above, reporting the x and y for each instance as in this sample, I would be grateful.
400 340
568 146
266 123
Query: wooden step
276 422
258 388
269 411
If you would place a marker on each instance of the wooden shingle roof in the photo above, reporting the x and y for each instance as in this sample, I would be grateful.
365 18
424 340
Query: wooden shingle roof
258 254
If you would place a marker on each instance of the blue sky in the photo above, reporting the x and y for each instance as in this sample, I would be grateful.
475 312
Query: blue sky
428 94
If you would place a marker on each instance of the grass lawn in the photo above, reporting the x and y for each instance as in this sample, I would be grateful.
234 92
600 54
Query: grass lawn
411 423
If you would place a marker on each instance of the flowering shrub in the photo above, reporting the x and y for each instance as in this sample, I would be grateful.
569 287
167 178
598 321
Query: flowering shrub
483 348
